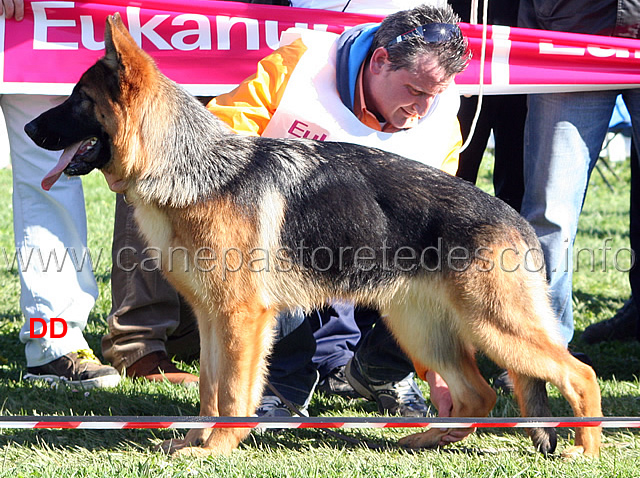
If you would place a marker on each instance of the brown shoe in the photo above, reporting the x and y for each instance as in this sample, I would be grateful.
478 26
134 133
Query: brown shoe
157 367
80 368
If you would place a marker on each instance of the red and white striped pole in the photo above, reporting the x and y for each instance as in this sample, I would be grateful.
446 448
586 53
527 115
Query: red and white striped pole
156 422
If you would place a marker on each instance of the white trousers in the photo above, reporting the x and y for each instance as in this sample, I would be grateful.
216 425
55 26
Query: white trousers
50 231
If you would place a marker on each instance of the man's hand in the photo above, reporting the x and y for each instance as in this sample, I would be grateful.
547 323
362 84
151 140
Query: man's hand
441 398
12 9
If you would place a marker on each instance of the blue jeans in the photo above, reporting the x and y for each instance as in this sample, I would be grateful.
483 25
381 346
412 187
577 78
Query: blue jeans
564 133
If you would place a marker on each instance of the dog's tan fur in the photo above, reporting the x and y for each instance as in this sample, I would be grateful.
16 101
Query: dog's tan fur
440 320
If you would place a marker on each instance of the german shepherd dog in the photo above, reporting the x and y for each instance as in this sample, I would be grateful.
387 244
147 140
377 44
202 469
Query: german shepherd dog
451 269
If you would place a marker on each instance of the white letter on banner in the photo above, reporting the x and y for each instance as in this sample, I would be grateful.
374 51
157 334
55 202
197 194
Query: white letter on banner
500 57
88 36
272 36
603 52
223 26
203 33
41 23
137 30
547 48
320 27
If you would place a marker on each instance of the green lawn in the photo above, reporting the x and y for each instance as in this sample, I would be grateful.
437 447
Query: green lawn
599 290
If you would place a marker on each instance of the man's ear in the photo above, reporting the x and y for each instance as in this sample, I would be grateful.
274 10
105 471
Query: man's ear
378 60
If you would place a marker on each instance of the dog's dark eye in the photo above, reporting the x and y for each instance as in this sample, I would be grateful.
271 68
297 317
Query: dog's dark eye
85 102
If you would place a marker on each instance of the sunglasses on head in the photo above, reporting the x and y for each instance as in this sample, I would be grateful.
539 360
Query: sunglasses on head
431 32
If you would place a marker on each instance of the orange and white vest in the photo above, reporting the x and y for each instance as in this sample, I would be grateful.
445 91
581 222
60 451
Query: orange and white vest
311 108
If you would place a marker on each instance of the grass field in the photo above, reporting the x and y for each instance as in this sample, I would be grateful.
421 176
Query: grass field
600 288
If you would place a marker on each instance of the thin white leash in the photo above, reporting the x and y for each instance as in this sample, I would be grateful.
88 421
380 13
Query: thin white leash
483 52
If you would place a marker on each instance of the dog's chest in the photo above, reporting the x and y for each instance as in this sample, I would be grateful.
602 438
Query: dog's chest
154 225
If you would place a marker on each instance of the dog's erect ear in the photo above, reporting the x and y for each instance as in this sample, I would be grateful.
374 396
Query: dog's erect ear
120 47
111 33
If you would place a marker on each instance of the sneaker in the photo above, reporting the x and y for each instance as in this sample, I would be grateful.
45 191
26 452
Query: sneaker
81 368
504 383
622 326
336 383
156 367
272 406
395 398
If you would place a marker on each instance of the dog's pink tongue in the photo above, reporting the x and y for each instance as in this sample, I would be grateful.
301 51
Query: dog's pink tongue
66 157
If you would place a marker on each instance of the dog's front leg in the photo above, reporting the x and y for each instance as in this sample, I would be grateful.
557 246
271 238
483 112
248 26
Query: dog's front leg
232 369
210 359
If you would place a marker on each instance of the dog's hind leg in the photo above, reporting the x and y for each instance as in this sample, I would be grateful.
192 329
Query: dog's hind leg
233 354
511 321
426 330
532 397
575 380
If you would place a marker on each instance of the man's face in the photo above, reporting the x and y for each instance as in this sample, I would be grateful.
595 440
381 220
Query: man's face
402 96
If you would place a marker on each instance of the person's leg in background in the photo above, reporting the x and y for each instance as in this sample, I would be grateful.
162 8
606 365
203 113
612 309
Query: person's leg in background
509 114
337 334
563 137
504 115
625 324
291 370
147 313
471 157
48 226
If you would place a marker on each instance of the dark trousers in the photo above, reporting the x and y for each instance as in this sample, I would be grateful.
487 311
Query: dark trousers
505 116
328 339
634 228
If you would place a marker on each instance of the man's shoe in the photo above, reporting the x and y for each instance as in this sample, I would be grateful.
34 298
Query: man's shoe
336 383
81 368
504 383
273 406
157 367
395 398
622 326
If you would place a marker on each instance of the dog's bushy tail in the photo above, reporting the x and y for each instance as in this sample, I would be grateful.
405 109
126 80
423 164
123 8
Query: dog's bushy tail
534 402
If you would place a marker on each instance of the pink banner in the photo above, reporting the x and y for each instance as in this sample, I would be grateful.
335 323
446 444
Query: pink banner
520 60
210 46
207 46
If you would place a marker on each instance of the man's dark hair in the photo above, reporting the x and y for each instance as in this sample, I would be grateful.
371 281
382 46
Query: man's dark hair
452 55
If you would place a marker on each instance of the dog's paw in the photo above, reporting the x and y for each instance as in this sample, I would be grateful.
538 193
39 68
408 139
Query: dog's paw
169 447
573 452
429 439
578 451
194 452
545 440
178 448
